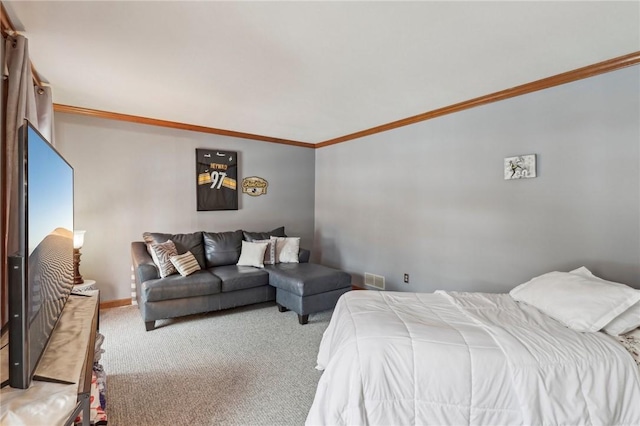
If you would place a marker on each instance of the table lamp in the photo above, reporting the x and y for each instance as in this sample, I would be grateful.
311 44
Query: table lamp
78 242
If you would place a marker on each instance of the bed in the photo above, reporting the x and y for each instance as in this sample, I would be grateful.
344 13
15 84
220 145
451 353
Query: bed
448 358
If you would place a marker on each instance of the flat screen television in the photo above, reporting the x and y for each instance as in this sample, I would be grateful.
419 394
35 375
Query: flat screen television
41 272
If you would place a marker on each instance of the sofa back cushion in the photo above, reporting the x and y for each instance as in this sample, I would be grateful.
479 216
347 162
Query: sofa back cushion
184 243
222 248
252 236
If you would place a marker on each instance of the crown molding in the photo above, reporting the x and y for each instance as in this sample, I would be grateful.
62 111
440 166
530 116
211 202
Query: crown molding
545 83
614 64
174 125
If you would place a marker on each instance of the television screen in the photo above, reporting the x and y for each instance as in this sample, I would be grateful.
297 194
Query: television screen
40 290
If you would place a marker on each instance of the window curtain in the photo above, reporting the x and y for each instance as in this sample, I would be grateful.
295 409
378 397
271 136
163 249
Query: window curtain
4 315
23 100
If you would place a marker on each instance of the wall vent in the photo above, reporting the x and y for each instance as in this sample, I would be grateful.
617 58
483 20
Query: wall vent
373 280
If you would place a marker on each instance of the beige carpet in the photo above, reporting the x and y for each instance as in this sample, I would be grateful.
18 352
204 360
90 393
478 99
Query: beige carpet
246 366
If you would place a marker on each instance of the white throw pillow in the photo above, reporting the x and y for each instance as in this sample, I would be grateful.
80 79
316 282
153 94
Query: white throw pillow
287 249
252 254
270 252
580 303
623 323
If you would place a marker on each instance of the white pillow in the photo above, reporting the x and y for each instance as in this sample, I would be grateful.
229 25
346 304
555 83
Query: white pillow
623 323
252 254
270 252
287 249
580 303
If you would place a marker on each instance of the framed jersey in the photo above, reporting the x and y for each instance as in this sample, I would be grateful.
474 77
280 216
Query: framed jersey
216 179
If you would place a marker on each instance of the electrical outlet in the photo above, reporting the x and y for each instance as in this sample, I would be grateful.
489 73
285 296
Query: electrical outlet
406 278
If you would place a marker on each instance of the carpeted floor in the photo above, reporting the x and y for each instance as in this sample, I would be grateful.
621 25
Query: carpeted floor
245 366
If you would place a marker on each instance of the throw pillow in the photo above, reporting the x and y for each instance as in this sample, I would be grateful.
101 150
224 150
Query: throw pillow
252 236
252 254
270 252
287 249
185 263
148 240
184 242
161 254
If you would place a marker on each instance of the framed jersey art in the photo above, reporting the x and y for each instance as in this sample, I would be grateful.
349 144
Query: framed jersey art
217 179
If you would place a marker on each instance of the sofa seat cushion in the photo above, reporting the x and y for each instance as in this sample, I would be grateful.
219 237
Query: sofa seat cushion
234 277
306 279
200 283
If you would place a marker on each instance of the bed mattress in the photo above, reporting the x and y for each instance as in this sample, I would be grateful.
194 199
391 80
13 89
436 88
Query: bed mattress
466 358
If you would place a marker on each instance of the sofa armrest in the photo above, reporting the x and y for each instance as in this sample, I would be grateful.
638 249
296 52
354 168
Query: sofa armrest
143 267
303 255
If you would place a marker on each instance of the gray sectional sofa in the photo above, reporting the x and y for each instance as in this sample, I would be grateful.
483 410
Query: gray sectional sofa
221 284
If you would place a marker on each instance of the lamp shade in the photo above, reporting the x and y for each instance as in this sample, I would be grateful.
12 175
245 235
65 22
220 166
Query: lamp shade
78 239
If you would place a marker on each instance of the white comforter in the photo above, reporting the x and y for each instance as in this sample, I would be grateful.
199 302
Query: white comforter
394 358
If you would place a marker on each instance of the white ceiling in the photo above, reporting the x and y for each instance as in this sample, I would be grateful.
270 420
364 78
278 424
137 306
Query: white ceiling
309 71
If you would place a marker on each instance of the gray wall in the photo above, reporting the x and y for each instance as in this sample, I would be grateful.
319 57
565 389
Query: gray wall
131 178
427 199
430 199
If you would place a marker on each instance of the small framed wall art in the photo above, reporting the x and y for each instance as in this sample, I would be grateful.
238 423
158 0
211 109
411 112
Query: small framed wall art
520 167
216 179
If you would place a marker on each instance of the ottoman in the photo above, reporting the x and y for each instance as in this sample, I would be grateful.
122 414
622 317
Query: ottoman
307 288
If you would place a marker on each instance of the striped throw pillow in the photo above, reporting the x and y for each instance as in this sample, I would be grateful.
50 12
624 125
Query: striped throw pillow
161 254
185 263
270 252
287 249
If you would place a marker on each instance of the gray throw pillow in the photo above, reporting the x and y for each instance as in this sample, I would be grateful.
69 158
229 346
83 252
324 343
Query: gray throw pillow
252 236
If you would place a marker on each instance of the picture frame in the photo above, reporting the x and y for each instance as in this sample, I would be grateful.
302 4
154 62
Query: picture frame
520 167
216 179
